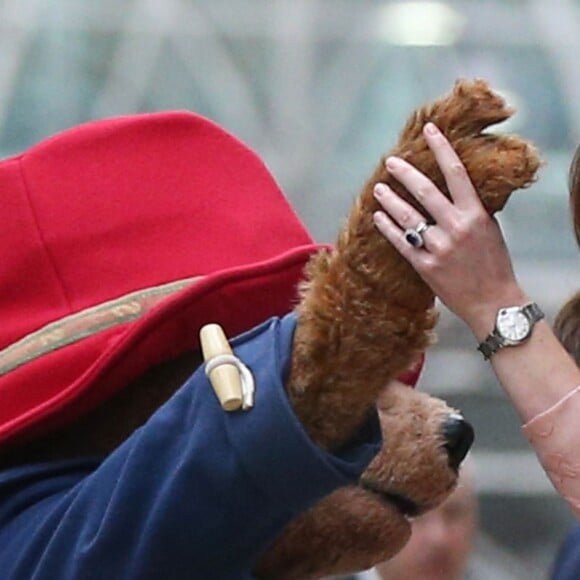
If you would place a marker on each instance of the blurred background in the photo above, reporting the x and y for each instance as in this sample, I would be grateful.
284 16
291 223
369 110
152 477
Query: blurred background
320 88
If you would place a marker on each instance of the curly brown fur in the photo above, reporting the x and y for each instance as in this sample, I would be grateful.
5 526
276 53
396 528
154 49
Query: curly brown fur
365 314
354 528
365 531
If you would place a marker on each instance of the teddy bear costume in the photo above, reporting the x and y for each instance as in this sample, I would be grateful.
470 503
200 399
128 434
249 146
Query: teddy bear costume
121 239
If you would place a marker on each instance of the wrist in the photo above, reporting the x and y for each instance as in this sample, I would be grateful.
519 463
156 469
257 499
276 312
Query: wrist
482 317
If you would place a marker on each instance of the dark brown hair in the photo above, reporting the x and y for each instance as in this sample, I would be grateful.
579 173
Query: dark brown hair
567 326
574 186
567 323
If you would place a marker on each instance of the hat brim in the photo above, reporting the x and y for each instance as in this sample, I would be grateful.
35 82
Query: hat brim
100 365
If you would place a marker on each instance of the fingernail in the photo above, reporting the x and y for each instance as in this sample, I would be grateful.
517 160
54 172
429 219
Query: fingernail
380 189
392 162
378 217
431 129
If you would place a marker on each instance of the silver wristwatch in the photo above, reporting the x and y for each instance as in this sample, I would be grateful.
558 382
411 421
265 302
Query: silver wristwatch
513 325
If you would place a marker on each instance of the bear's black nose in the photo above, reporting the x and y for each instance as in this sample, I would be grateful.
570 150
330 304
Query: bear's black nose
458 434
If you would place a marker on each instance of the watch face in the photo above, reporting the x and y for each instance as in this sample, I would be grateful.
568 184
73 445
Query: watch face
513 324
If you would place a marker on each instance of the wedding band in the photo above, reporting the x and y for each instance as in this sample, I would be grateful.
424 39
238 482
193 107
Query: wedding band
414 236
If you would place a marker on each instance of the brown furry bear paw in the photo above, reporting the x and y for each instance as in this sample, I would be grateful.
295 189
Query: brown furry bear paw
497 164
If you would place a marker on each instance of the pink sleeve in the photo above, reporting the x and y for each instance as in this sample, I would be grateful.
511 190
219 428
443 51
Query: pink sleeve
555 436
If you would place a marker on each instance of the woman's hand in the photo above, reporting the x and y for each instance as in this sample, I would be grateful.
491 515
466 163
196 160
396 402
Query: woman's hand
463 257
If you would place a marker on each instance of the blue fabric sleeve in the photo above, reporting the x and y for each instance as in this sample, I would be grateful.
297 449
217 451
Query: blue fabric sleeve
195 493
567 564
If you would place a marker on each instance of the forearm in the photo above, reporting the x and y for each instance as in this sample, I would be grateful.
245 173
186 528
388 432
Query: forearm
543 382
536 374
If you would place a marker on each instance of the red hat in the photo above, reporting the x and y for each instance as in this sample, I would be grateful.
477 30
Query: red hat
120 240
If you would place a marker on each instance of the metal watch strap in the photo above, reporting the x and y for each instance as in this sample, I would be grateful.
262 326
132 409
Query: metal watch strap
533 312
490 345
494 341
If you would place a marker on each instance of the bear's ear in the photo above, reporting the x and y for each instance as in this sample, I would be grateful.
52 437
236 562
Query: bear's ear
410 377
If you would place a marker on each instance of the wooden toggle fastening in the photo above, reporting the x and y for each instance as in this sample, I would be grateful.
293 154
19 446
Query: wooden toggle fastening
225 377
